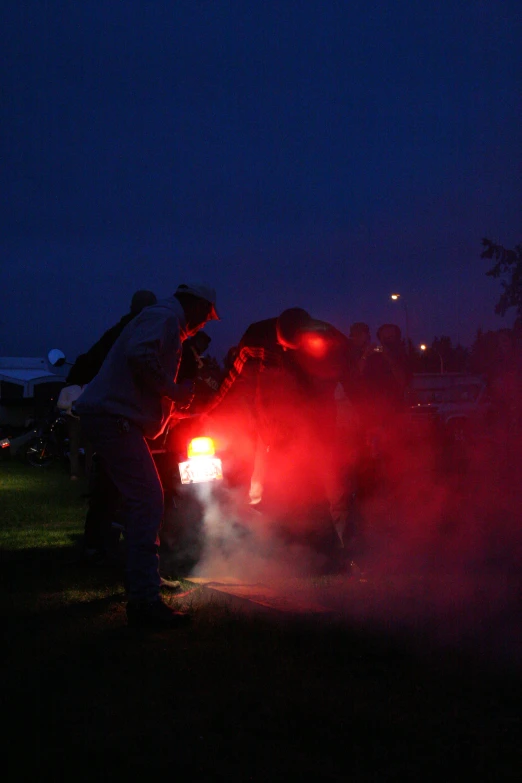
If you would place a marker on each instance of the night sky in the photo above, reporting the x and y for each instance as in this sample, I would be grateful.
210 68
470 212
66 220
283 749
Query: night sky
320 153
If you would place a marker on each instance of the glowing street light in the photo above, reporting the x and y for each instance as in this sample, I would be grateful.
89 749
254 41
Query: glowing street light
395 298
424 348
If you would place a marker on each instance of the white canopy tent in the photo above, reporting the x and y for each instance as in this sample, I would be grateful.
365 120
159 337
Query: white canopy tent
26 372
25 382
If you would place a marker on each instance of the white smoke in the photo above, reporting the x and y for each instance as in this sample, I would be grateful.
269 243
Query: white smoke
243 544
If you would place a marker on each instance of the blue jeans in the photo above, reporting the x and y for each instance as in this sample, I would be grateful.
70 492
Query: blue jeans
127 462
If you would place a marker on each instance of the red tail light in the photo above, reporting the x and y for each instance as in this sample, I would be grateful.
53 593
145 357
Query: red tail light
201 447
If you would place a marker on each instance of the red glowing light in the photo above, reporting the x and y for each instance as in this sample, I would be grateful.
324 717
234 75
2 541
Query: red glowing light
314 345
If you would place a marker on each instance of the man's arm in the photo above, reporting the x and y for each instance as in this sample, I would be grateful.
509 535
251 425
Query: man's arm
265 358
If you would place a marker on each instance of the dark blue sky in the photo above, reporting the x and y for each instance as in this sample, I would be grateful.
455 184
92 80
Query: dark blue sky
320 153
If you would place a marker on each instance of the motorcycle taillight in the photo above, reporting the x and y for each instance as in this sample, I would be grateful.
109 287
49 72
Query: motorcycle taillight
201 447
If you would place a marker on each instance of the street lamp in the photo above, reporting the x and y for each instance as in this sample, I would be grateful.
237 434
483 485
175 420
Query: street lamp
396 298
424 348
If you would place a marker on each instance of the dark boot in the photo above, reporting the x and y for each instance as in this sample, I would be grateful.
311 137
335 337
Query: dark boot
155 615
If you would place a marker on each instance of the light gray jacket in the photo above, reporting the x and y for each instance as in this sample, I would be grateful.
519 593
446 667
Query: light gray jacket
140 370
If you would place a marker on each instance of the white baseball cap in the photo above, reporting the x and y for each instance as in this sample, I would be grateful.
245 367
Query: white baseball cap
203 291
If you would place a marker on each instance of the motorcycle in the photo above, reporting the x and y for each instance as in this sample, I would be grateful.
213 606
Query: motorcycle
5 444
50 443
201 465
50 440
190 471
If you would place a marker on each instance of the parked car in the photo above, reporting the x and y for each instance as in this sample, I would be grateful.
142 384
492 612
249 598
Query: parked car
5 444
456 406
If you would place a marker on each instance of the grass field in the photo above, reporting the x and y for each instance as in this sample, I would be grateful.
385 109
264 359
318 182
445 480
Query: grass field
233 697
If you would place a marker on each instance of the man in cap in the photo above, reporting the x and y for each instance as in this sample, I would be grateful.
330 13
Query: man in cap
129 400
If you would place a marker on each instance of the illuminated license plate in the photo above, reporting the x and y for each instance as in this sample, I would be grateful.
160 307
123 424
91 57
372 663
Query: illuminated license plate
199 469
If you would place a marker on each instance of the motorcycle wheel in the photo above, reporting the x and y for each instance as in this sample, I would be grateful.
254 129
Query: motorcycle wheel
38 453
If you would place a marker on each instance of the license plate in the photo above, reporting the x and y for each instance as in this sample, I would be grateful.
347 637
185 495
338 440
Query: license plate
199 469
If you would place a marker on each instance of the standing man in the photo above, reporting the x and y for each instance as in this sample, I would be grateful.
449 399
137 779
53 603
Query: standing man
131 399
360 336
385 371
87 366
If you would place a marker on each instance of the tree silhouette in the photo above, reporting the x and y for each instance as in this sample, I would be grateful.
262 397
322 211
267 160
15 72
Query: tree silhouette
507 267
441 355
484 353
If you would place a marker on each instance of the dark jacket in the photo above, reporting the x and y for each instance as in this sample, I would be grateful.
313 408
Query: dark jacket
385 377
292 387
88 364
262 334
